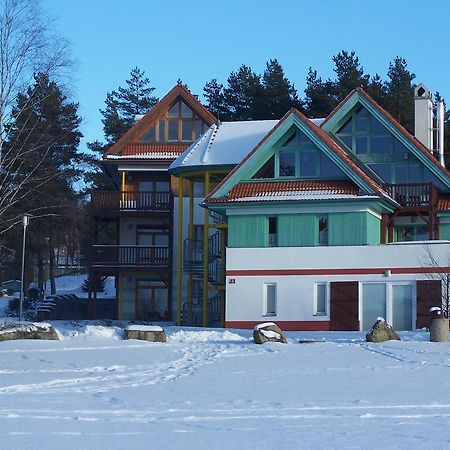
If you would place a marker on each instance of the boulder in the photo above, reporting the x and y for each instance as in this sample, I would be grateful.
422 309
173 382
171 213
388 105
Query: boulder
268 332
145 333
27 330
381 332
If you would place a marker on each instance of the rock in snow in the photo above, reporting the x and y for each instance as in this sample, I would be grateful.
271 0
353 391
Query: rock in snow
381 331
145 333
268 332
27 330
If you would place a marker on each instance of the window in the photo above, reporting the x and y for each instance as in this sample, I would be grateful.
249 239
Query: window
406 233
179 124
286 164
320 299
270 299
267 170
273 233
323 229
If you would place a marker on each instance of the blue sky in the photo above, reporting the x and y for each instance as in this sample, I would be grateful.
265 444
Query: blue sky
197 40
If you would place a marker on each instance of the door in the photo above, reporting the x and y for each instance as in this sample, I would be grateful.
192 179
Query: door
152 301
344 306
373 303
402 300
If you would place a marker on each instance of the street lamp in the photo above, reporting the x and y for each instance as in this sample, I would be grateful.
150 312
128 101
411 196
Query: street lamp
25 223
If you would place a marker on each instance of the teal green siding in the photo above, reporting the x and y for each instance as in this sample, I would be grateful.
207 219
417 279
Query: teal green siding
358 228
297 230
248 231
444 231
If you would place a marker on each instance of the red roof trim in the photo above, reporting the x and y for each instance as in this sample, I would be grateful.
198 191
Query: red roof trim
147 149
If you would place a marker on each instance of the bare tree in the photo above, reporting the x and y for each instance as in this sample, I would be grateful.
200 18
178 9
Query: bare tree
439 272
28 45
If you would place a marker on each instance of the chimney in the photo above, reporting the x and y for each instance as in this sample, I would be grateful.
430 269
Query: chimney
423 116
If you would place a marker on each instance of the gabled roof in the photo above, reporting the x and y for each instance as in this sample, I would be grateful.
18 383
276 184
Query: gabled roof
152 116
364 182
358 95
223 145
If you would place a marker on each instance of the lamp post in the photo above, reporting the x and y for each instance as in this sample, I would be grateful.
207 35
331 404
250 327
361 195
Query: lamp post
25 223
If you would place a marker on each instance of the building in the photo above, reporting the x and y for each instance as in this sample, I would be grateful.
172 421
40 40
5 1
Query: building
333 225
134 236
317 224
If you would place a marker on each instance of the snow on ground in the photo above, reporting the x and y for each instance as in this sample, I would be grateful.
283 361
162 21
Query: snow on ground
215 389
71 284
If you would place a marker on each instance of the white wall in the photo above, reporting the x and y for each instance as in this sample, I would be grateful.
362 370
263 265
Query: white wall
295 292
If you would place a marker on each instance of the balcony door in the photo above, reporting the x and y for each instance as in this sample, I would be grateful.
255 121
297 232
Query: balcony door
152 300
152 245
153 194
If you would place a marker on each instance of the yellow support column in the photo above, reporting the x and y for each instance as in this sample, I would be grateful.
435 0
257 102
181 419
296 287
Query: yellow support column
205 255
191 250
180 249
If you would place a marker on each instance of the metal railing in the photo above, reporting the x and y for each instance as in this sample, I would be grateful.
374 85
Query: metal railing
134 256
135 201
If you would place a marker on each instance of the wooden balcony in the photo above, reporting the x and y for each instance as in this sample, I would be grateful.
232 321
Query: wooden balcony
414 196
132 257
112 203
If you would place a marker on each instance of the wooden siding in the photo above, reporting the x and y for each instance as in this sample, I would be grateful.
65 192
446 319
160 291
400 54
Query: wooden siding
297 230
356 228
344 306
444 231
248 231
428 294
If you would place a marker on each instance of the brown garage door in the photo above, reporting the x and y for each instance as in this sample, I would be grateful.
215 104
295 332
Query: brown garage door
428 295
344 306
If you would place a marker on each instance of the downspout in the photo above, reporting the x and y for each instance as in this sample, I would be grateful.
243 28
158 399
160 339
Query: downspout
205 254
191 250
180 249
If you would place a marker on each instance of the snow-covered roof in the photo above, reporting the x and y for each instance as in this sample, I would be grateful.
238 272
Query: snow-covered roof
223 145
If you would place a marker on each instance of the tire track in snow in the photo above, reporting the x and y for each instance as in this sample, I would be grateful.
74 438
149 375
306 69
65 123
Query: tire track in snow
125 377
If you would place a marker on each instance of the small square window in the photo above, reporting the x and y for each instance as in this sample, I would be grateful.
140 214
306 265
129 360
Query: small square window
270 299
320 300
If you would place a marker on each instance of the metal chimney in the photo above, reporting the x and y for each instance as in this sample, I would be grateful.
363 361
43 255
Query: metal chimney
423 116
440 131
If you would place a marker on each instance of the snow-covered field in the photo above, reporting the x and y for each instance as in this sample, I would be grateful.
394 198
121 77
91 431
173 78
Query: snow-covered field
215 389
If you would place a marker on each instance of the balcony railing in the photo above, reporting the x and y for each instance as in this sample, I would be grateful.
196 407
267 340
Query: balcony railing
414 195
130 256
107 202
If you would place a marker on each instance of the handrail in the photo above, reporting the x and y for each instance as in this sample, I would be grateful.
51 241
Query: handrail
130 200
413 195
152 256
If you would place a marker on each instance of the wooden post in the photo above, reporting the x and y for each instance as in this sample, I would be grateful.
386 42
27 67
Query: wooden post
205 255
180 249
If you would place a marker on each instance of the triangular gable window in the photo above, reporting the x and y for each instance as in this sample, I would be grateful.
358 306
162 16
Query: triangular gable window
373 144
179 124
299 158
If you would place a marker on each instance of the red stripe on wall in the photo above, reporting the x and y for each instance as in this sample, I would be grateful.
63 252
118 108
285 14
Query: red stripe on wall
304 325
360 271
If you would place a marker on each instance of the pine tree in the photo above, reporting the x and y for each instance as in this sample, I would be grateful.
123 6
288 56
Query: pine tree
213 92
279 94
244 95
349 74
123 105
400 93
41 166
320 99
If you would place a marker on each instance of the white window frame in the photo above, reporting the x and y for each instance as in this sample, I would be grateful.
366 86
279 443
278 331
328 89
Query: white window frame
327 298
269 312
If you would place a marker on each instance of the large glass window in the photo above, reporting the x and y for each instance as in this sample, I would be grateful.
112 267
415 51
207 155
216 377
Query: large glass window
373 303
286 165
179 124
375 145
